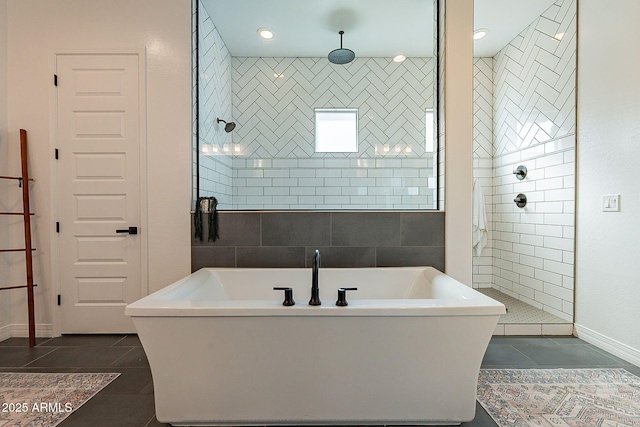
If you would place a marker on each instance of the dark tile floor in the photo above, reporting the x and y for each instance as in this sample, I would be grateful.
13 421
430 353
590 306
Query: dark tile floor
128 401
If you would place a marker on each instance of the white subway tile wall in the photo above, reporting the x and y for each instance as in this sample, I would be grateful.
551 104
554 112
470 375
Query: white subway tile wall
534 246
534 83
214 87
275 166
483 161
268 162
532 249
194 103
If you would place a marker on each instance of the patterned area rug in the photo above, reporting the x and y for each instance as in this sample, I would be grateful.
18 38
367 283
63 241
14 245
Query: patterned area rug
560 397
44 400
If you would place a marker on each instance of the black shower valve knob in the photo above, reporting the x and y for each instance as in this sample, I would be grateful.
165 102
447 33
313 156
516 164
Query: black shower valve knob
520 200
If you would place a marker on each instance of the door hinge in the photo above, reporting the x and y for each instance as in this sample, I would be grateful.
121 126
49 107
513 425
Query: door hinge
55 80
56 154
57 227
58 299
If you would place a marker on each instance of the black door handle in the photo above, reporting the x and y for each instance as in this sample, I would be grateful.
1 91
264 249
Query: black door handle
130 230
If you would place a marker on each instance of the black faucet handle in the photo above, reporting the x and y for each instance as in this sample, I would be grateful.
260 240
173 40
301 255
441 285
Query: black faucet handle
288 295
342 296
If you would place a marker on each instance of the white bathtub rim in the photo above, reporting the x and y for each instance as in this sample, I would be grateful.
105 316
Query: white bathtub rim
469 302
257 308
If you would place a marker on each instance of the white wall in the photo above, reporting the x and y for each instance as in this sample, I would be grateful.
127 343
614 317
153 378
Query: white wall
3 90
458 99
5 307
608 243
37 29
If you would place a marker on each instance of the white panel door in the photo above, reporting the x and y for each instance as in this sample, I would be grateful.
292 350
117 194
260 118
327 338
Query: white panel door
99 169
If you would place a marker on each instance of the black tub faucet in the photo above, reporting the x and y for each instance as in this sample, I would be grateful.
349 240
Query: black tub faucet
315 290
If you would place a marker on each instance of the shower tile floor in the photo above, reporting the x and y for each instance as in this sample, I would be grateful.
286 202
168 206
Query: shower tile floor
524 319
128 400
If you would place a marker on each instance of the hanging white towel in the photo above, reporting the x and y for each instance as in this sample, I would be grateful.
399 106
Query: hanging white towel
479 218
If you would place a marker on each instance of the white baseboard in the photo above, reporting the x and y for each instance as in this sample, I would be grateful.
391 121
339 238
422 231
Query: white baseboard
5 332
21 330
623 351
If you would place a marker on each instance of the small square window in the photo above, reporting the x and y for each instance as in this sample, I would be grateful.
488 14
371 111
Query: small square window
429 143
336 130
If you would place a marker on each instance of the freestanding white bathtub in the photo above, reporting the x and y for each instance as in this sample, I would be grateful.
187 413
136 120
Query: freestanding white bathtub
223 350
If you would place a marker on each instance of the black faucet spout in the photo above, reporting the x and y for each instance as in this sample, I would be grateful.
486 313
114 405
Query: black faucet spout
315 290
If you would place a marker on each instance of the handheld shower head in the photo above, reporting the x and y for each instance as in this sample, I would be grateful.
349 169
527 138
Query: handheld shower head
229 126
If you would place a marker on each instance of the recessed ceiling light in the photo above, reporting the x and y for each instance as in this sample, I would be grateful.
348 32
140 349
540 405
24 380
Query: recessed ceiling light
399 58
480 33
265 33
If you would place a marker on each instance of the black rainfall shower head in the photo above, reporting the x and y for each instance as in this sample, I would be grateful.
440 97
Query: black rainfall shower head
228 127
341 56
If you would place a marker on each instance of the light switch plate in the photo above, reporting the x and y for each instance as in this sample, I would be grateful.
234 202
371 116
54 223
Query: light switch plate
611 203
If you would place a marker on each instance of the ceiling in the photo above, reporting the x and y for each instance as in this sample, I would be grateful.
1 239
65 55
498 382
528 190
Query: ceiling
373 28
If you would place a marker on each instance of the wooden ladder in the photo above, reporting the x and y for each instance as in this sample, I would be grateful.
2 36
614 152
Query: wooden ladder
26 215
